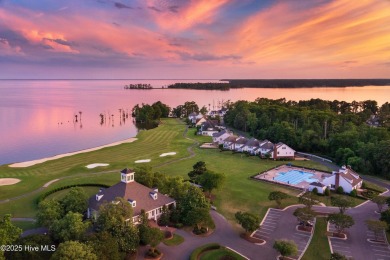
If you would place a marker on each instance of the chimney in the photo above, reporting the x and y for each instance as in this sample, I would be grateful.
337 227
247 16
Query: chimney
337 181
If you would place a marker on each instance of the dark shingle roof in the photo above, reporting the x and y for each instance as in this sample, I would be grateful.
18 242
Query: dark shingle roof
252 142
133 191
317 184
267 145
220 133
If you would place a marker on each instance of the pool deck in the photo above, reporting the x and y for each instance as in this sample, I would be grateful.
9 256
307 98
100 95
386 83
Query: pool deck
272 173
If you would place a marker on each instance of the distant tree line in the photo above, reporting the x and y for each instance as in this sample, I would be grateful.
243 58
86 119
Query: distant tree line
334 129
185 109
138 86
305 83
204 86
150 113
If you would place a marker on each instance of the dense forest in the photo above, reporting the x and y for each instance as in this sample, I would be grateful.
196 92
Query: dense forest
305 83
334 129
281 83
201 86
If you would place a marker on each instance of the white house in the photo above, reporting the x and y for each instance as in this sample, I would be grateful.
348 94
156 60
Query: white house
282 150
251 145
240 144
229 142
139 196
319 186
193 117
208 128
200 121
221 136
346 178
265 147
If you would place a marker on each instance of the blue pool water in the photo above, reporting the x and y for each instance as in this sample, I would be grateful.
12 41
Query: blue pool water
294 177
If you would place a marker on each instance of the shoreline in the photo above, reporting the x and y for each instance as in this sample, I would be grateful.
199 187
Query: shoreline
38 161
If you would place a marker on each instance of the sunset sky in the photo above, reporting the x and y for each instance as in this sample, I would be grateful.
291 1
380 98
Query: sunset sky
195 39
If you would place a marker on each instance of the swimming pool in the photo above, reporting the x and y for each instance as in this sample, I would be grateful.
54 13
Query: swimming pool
294 177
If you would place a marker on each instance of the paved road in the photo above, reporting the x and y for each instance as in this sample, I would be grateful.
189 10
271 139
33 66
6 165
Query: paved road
223 234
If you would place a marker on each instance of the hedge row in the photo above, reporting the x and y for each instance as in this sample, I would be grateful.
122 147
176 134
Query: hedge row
197 252
44 195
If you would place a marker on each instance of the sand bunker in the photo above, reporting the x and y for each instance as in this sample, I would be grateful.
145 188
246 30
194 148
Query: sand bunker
94 165
166 154
31 163
142 161
8 181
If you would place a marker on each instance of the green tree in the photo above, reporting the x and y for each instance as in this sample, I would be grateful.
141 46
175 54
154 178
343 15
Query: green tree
9 233
304 214
385 216
203 110
380 201
49 211
193 199
35 240
341 221
104 245
70 227
71 250
308 199
76 200
198 169
248 221
127 236
153 236
165 216
377 227
286 247
200 217
113 215
210 180
278 196
342 202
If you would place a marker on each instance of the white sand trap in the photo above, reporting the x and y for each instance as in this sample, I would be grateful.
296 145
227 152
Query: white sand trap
8 181
31 163
166 154
94 165
142 161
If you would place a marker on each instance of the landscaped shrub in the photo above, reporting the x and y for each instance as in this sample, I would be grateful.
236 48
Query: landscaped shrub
178 225
370 194
364 186
353 193
340 190
315 191
153 253
197 252
44 195
327 192
199 231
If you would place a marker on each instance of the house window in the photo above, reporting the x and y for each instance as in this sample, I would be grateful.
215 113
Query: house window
278 152
152 213
332 186
283 147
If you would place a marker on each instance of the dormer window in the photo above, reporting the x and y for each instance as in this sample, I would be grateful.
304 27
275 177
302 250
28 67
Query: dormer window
153 194
133 203
116 202
99 196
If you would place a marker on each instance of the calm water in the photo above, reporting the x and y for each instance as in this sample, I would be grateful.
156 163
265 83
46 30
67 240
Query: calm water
37 118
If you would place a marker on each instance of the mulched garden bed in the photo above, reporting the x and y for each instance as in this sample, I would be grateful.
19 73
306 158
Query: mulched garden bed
253 240
305 229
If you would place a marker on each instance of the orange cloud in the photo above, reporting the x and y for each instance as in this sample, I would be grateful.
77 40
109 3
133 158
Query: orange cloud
338 31
194 13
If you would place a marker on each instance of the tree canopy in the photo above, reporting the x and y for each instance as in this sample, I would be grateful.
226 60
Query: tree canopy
342 202
286 247
9 233
74 250
341 221
278 196
210 181
248 221
76 200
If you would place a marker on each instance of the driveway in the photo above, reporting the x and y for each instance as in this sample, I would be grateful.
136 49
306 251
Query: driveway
223 234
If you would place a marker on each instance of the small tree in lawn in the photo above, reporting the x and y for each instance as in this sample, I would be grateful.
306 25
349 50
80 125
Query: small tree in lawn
286 247
198 169
211 180
376 226
308 199
200 217
341 221
380 201
343 203
248 221
277 196
304 214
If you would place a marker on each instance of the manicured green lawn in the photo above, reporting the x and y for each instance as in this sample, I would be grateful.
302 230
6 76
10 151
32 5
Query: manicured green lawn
200 138
176 240
319 246
221 253
25 225
327 201
239 192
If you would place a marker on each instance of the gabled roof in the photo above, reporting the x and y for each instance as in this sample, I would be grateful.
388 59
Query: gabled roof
252 142
242 140
317 184
132 191
267 145
231 139
350 176
126 170
220 133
